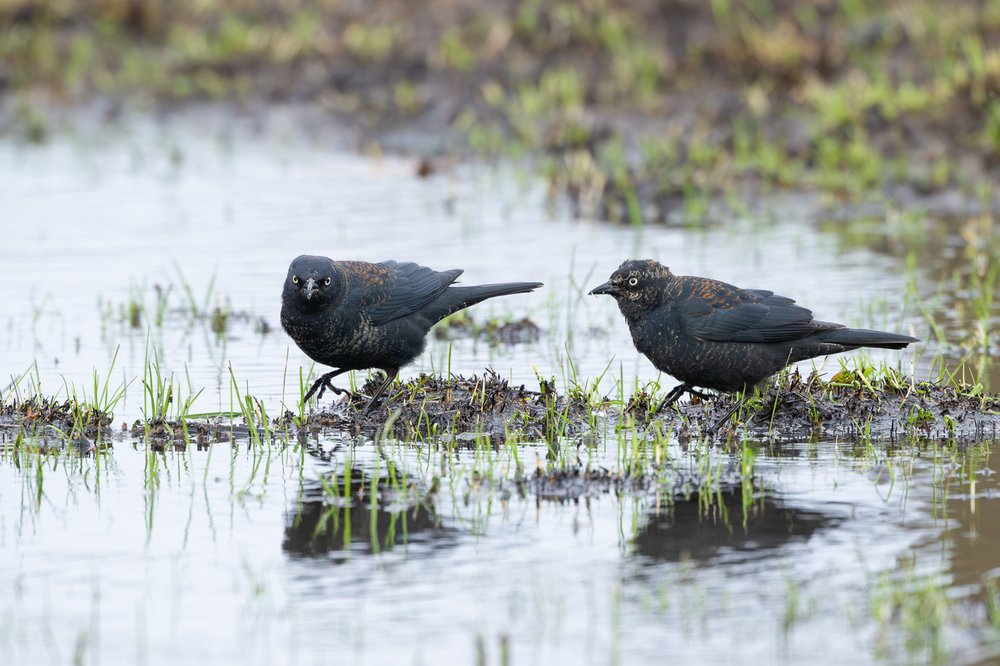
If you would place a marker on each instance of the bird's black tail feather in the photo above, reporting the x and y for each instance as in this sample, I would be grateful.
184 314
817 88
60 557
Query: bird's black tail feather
862 337
457 298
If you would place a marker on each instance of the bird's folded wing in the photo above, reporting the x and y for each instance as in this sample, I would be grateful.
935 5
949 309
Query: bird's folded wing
408 289
748 315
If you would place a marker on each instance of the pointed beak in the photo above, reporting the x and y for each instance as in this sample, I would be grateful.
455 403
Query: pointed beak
606 288
310 288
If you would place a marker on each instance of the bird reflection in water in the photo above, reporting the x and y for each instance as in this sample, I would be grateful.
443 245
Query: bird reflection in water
369 518
712 526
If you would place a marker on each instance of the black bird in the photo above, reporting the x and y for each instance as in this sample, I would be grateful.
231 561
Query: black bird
713 335
354 315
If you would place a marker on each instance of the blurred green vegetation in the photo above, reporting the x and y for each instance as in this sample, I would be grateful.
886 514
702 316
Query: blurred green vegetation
640 108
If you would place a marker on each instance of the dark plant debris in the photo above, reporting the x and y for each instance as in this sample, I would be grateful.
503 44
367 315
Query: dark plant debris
854 404
201 432
851 405
36 415
486 406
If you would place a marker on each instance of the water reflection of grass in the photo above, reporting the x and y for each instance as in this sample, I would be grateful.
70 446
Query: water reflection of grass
913 612
686 508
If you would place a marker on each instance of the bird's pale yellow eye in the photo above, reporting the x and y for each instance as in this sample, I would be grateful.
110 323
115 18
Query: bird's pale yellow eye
327 282
295 279
633 281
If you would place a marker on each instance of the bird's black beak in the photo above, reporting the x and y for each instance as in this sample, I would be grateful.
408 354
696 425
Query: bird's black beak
310 288
606 288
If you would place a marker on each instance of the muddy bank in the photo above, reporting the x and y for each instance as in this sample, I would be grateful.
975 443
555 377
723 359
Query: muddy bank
471 410
851 405
48 416
466 409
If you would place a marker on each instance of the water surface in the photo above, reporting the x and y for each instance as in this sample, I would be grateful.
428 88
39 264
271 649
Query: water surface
242 553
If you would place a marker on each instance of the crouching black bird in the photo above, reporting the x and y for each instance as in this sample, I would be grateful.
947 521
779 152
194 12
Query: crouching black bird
354 315
714 335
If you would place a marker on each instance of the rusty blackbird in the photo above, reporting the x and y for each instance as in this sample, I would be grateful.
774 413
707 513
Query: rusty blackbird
713 335
354 315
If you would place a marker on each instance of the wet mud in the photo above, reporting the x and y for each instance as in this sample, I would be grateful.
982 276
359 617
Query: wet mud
849 406
41 416
468 411
467 408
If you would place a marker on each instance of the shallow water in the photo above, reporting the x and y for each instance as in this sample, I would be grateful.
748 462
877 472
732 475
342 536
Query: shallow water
234 554
96 219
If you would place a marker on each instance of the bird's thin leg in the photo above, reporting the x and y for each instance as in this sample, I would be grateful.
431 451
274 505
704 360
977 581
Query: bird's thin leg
323 383
672 397
700 394
389 376
737 403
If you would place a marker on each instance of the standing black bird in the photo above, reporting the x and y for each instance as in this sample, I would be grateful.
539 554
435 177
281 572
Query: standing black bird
354 315
717 336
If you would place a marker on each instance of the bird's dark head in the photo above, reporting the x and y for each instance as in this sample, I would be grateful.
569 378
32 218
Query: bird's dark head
637 285
311 282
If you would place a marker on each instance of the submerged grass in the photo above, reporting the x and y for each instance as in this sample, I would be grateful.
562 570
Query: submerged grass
915 610
153 308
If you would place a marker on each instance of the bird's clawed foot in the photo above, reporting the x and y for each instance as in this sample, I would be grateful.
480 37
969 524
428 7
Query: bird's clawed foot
390 375
673 396
700 394
323 385
722 420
